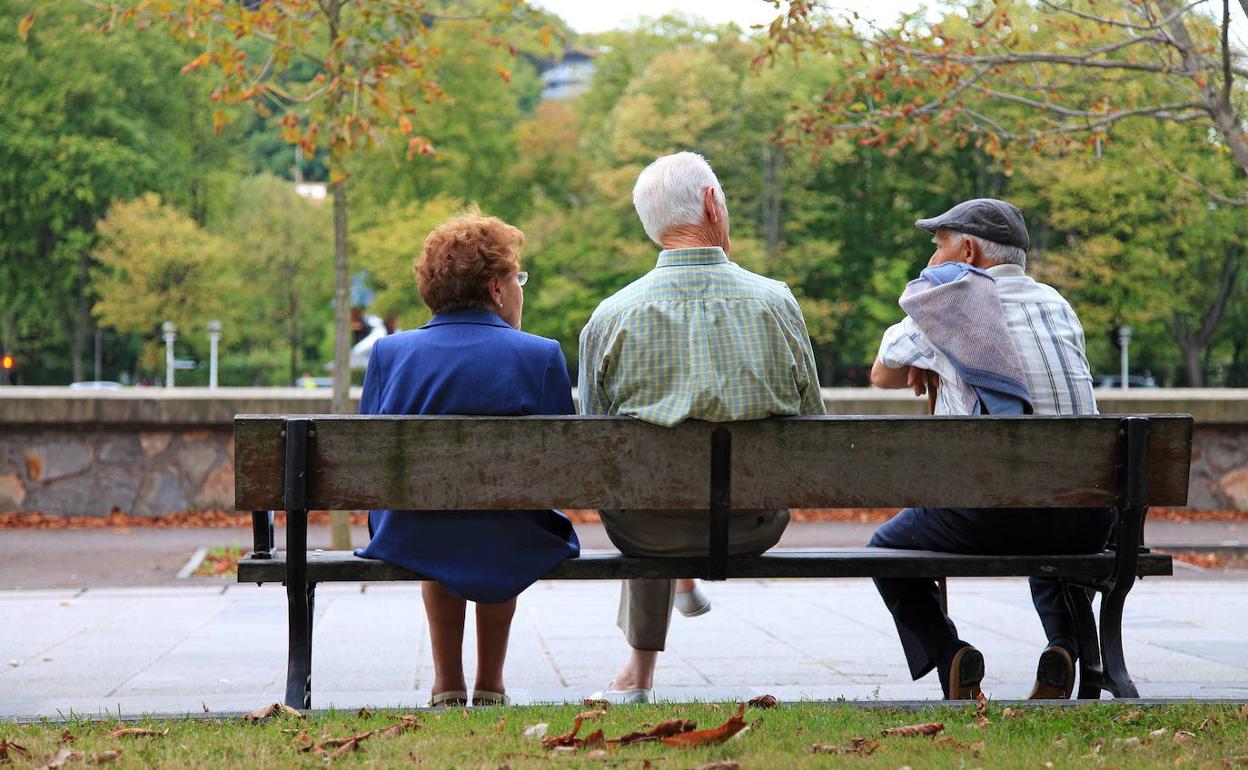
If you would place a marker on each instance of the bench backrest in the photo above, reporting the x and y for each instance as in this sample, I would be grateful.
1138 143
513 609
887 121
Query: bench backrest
428 463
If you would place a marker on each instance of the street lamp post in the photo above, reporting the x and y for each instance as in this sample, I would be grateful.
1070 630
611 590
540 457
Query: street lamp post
214 336
1124 342
171 335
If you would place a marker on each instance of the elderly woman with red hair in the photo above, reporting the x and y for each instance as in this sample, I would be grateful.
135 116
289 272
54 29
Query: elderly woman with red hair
471 359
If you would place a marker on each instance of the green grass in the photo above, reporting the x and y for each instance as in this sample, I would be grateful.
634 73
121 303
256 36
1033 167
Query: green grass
221 561
1095 736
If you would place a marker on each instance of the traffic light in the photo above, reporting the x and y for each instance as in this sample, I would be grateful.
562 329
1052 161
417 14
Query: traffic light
6 362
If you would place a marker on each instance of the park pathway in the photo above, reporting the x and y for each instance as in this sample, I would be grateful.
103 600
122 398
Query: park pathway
222 647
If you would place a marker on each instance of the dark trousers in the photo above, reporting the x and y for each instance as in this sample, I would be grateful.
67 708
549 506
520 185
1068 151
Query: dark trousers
928 636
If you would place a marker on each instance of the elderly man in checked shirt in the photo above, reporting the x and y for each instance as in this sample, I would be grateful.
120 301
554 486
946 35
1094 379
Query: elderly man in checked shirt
990 235
701 338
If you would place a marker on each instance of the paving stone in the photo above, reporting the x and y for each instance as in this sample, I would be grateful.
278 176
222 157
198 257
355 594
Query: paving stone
178 649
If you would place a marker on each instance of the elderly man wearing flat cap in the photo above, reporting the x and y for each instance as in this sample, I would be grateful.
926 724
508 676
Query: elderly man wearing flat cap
987 339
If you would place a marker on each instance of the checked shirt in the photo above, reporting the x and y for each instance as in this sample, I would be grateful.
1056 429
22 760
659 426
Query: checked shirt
698 337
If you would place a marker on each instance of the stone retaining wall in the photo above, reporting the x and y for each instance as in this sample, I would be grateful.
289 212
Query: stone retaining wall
151 452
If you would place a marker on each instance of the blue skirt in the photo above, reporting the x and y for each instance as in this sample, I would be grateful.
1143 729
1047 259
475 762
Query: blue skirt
481 556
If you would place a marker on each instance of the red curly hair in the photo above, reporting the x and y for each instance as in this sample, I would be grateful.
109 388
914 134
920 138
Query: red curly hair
461 257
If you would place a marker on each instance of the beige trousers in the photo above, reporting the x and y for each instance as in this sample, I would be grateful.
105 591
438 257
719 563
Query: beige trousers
646 605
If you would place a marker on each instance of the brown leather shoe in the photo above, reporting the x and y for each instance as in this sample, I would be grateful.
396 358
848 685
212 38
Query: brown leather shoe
966 672
1055 675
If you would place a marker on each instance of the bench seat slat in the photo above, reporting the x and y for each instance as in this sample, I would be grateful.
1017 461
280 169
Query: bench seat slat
500 463
345 566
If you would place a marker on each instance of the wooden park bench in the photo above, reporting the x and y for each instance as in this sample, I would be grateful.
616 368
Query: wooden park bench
302 463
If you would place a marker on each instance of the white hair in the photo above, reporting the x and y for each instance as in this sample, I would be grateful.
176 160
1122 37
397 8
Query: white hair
997 252
670 192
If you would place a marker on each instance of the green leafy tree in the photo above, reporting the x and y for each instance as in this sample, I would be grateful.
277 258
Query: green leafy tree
157 264
372 75
86 121
283 268
1132 248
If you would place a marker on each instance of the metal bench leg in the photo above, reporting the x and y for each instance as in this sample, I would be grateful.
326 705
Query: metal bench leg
299 592
299 595
1091 675
1117 680
262 534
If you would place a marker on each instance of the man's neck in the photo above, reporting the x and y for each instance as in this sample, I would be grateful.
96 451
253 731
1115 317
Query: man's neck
689 237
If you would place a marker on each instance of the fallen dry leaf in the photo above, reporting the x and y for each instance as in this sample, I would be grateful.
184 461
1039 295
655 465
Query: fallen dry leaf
656 732
596 754
1130 716
910 731
763 702
1127 743
62 756
137 732
569 738
364 713
406 722
592 714
6 747
734 725
273 709
955 744
1183 736
1012 713
500 724
106 757
863 747
981 710
596 703
1208 723
66 737
723 764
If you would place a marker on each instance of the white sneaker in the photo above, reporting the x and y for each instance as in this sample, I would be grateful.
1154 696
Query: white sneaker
693 603
619 697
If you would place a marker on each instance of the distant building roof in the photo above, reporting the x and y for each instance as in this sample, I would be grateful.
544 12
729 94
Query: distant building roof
570 75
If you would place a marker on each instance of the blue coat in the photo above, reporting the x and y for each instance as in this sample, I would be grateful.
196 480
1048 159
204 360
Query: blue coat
470 362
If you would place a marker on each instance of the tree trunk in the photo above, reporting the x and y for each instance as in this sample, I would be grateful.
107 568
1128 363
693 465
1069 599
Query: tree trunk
341 403
78 339
340 521
1191 363
773 161
293 337
1193 343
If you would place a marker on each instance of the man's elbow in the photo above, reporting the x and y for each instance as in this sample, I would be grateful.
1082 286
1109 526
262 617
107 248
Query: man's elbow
883 377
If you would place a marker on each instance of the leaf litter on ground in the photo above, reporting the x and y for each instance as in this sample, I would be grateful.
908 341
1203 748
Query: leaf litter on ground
272 710
7 746
914 731
863 747
137 732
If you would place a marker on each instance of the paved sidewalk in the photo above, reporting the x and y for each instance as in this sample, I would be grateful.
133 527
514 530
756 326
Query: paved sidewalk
222 648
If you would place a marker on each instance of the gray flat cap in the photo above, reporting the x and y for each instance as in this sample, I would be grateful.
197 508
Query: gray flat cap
989 218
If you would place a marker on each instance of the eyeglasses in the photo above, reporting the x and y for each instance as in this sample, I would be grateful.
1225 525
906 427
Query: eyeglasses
522 277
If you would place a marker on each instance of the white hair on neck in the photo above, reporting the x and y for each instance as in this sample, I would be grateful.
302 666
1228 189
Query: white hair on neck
997 252
669 192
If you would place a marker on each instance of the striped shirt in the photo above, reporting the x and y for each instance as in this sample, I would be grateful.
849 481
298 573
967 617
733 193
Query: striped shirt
702 338
1048 336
